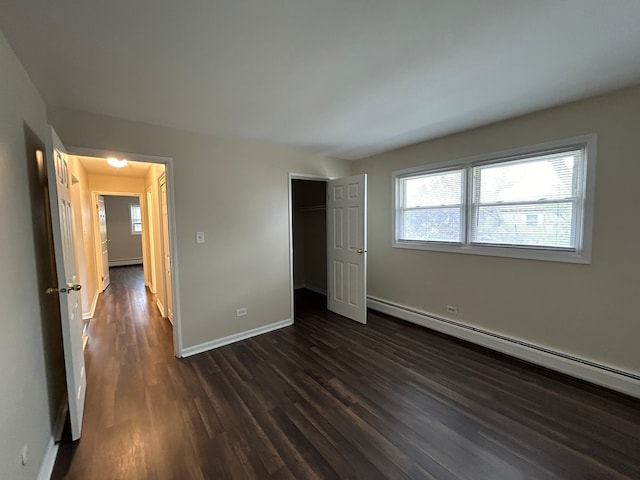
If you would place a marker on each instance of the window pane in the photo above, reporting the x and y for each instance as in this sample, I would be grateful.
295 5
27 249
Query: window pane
433 225
433 190
135 214
136 219
549 177
542 225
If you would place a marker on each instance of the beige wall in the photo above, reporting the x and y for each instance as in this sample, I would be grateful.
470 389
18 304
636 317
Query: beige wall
114 184
590 311
110 184
237 193
154 233
26 409
83 235
123 245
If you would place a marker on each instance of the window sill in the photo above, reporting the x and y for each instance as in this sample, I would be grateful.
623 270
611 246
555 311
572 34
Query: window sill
507 252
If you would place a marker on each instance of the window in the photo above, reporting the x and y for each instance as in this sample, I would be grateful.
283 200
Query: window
432 207
534 202
136 219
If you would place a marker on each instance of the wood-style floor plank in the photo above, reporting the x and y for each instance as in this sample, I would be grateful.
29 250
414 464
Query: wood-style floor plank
332 399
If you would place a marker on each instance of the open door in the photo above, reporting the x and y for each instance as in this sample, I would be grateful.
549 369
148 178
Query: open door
152 243
67 288
104 243
166 248
347 247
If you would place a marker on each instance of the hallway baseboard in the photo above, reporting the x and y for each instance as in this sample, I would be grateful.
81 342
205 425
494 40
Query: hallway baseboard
160 308
89 315
125 262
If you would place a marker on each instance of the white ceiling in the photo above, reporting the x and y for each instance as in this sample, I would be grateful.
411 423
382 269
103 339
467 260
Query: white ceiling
345 78
99 166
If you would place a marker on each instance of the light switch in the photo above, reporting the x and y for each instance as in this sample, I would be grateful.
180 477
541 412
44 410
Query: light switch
199 237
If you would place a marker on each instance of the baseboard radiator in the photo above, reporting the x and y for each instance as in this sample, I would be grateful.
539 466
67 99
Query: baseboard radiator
604 375
125 262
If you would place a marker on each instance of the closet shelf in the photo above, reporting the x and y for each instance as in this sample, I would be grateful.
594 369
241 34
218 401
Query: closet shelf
310 208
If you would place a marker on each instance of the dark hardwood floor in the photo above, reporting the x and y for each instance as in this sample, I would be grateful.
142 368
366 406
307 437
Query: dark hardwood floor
329 398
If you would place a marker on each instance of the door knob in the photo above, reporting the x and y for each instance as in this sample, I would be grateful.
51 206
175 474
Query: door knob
361 251
71 287
52 290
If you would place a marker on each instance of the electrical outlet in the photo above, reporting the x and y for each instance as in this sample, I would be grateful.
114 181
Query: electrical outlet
241 312
452 310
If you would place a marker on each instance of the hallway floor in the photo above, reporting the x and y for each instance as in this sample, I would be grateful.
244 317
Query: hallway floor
129 362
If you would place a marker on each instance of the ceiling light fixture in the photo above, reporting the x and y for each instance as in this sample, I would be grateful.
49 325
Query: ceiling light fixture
114 162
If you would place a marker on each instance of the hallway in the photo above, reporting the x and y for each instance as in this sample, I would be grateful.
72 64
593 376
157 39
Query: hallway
130 365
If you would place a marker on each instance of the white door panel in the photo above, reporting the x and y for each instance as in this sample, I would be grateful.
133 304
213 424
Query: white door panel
347 250
152 242
166 249
67 289
104 243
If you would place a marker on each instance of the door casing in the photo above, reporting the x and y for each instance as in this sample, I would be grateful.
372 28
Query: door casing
292 177
165 242
102 270
169 175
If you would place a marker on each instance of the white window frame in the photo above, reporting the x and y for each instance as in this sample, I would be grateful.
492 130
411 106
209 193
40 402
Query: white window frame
131 222
436 171
582 253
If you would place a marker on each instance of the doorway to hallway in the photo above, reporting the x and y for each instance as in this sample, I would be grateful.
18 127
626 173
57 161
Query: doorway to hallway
128 359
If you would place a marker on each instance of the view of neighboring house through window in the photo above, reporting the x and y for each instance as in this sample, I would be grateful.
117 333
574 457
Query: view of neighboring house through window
136 219
432 209
533 202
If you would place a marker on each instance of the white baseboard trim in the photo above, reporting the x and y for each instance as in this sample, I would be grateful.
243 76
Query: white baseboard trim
603 375
311 288
160 307
49 460
61 418
316 290
125 261
236 337
89 315
151 287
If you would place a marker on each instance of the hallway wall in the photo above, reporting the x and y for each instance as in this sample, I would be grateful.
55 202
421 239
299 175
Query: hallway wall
125 248
83 238
154 235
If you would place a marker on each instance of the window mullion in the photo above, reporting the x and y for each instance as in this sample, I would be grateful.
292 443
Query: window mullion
469 200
